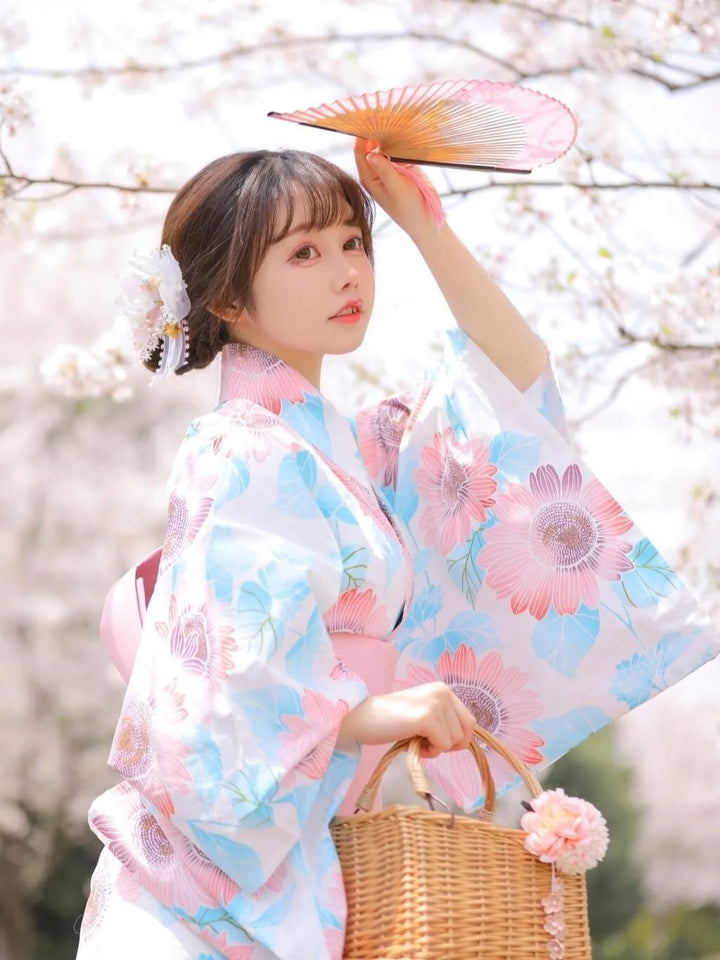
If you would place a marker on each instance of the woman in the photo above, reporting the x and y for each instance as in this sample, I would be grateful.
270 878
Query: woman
329 585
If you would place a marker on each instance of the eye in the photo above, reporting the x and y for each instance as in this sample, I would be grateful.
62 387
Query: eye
308 252
355 243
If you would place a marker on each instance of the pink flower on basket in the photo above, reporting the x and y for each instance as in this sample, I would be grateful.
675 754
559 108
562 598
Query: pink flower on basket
566 831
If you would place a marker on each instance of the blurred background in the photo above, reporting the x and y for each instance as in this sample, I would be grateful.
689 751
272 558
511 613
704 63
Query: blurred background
612 253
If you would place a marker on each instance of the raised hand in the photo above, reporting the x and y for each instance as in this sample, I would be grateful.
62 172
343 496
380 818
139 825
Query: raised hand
402 190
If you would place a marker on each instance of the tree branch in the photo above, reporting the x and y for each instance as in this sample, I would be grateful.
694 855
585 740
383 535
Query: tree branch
72 185
287 43
612 394
667 346
242 50
578 185
24 182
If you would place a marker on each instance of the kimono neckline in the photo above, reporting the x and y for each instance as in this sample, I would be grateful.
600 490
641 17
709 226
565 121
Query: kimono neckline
255 374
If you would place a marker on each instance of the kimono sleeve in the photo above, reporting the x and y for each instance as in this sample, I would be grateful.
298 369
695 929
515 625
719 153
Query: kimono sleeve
230 722
535 596
383 431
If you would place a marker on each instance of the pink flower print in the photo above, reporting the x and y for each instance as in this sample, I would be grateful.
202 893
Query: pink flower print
498 699
368 501
144 754
554 542
127 885
202 646
275 882
182 526
335 942
237 951
308 745
186 514
457 483
380 431
101 888
213 884
162 859
244 429
261 377
356 611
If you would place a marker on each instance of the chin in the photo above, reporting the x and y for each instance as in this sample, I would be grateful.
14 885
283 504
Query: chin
339 349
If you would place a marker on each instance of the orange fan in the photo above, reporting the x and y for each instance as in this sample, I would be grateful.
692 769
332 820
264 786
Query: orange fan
454 123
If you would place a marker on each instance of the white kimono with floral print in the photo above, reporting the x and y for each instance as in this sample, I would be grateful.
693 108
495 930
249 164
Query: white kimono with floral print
450 533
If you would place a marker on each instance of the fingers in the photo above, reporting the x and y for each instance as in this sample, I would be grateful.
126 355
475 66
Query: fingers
362 149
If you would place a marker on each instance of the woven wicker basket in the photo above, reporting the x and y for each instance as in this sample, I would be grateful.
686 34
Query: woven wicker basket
428 885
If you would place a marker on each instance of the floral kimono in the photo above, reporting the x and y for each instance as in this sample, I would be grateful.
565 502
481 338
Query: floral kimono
449 533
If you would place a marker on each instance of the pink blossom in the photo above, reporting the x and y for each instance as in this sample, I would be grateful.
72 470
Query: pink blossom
566 831
553 903
554 542
457 483
555 925
556 950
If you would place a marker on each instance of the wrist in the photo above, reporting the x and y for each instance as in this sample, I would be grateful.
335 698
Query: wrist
354 727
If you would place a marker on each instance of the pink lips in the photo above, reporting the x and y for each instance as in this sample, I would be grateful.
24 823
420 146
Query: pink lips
356 306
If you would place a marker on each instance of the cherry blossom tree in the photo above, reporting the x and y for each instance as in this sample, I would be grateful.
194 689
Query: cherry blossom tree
612 252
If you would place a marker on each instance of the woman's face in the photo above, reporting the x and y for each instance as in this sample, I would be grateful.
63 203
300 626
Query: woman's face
312 295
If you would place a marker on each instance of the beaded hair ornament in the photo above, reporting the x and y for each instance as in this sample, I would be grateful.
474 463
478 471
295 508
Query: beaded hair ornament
154 301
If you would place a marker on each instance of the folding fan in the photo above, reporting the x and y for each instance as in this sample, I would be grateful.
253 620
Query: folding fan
453 123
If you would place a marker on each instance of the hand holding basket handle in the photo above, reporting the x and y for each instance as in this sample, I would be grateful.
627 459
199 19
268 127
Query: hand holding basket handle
430 711
418 777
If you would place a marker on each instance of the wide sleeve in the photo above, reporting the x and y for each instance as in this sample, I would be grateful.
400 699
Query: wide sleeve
231 717
535 596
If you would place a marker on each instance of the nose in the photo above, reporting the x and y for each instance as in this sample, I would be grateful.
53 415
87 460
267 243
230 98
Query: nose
347 275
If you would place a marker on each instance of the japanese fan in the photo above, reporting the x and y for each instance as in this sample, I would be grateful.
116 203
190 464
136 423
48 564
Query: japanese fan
478 124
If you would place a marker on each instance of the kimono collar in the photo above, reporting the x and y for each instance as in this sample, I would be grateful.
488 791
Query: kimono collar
261 377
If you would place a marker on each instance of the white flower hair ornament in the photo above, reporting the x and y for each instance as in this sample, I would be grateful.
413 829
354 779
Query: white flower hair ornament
154 301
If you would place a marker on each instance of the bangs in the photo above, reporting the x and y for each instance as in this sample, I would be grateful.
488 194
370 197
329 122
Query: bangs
324 200
282 182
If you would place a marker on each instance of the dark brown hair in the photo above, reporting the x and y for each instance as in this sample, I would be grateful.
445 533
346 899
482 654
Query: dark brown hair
222 221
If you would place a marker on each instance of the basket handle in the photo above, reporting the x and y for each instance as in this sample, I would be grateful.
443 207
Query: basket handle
421 784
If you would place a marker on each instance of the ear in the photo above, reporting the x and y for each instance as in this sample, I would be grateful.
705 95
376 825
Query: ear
232 314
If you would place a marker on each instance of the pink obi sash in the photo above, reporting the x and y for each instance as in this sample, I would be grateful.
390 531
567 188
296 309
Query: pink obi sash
374 662
121 622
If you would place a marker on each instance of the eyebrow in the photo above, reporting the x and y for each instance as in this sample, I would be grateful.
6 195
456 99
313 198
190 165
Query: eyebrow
305 227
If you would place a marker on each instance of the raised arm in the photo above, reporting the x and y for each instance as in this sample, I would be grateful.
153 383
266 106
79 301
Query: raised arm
479 306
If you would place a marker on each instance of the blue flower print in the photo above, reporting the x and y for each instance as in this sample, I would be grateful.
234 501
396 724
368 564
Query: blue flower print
645 673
